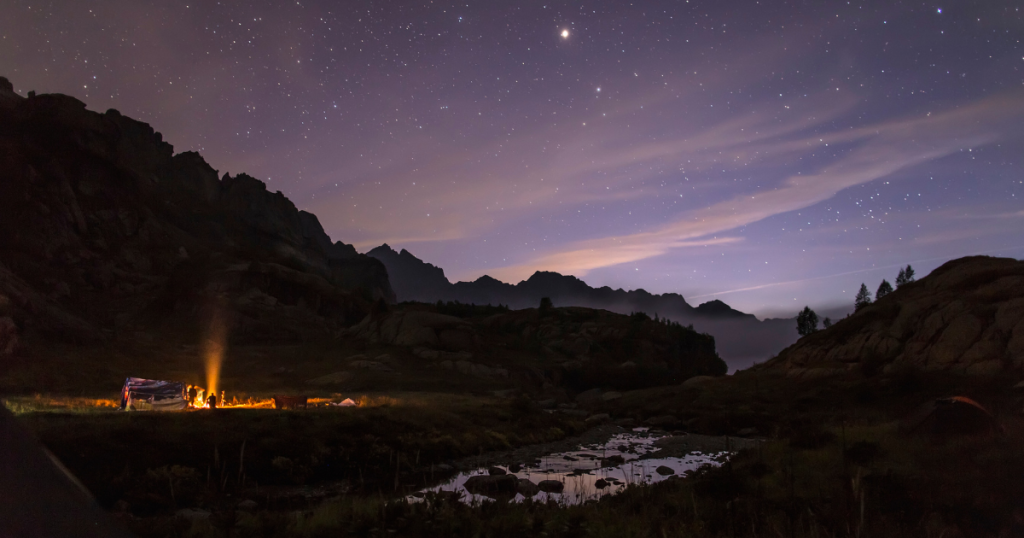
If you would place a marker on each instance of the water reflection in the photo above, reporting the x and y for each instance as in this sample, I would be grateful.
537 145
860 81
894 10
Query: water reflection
590 472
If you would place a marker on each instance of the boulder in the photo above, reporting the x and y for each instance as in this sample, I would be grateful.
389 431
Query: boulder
665 471
601 483
424 353
526 488
612 461
248 505
589 397
456 339
492 485
662 421
414 335
550 486
599 418
496 471
985 368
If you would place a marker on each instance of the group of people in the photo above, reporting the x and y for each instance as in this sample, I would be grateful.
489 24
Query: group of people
196 398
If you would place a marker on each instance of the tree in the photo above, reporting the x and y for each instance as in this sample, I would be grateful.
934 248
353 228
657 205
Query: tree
806 321
828 322
906 276
885 288
863 297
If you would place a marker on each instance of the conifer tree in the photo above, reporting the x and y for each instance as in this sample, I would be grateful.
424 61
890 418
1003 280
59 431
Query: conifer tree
901 278
828 322
906 276
863 297
806 321
885 288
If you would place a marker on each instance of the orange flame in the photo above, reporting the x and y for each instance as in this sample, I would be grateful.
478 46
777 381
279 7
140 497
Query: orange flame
213 351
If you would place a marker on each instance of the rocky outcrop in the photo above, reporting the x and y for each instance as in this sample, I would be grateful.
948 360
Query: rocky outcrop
966 317
416 328
99 219
412 278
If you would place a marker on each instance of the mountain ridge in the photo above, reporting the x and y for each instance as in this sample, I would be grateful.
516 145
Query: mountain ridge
416 280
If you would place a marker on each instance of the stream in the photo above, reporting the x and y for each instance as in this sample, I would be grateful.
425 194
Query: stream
587 473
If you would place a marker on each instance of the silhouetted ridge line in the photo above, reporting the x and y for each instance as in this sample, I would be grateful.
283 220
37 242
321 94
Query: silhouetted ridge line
740 336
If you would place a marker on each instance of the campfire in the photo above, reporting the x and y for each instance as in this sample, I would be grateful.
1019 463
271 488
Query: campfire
141 394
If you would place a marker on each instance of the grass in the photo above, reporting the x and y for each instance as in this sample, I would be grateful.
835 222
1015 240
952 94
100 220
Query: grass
833 463
904 487
158 463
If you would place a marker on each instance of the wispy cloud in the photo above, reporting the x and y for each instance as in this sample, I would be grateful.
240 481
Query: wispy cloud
881 150
847 273
579 261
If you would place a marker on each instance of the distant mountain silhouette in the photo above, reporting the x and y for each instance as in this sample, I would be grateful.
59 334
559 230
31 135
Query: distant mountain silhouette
741 338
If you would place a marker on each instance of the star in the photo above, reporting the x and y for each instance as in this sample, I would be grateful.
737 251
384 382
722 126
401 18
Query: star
565 34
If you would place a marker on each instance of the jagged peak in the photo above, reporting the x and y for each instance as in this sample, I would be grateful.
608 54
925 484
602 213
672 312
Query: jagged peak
384 249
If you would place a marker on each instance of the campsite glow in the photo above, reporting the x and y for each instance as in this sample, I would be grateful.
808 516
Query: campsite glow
213 352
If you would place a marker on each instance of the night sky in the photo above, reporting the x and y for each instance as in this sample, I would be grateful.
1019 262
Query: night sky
769 154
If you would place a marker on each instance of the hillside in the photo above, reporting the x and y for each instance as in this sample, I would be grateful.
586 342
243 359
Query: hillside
416 280
542 351
966 317
114 247
106 233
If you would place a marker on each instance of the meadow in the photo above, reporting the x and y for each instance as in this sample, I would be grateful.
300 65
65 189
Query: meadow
833 463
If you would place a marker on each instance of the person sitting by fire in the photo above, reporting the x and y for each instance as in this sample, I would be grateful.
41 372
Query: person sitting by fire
211 402
192 393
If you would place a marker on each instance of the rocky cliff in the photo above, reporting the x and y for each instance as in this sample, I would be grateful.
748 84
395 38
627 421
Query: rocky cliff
103 226
742 338
965 317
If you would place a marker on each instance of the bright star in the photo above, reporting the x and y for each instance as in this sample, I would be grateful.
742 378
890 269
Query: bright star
565 34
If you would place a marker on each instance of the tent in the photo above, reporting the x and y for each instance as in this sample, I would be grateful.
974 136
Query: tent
153 395
955 415
39 497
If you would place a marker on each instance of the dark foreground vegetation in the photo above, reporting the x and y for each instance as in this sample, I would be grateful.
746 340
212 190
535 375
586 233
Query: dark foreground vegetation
834 462
154 464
